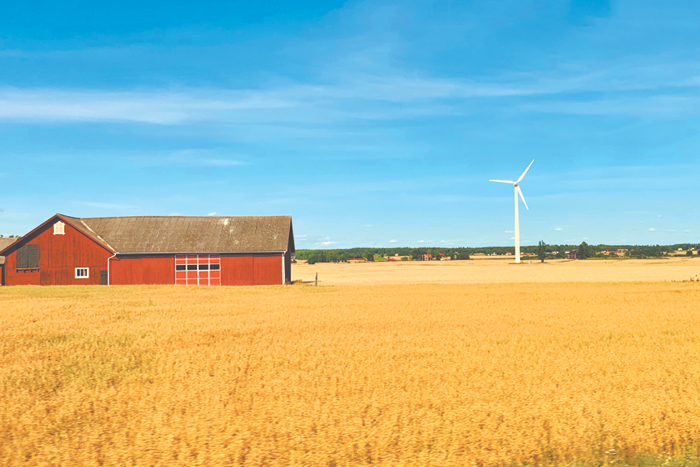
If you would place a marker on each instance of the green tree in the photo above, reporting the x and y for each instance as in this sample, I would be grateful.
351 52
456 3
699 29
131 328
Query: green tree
541 251
583 251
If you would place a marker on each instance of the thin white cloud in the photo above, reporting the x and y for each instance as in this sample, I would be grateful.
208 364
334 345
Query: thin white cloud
326 243
652 229
158 107
672 106
189 158
392 241
211 214
364 96
217 163
558 229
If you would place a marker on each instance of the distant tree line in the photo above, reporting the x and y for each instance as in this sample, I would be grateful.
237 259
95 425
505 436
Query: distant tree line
378 254
541 250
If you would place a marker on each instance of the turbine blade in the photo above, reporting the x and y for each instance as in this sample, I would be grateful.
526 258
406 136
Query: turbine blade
520 192
503 181
523 175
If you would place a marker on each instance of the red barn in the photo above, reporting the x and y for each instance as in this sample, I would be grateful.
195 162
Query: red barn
251 250
4 243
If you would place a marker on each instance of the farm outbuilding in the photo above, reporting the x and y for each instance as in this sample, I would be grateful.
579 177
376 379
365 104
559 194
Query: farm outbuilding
4 243
246 250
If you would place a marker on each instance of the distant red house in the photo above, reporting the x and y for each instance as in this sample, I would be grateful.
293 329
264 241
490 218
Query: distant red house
153 250
573 254
356 259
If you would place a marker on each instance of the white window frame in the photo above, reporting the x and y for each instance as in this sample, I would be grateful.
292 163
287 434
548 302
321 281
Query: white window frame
87 273
59 228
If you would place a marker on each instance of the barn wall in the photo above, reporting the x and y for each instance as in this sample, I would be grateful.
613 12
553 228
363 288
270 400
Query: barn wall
257 269
142 269
267 269
236 270
59 255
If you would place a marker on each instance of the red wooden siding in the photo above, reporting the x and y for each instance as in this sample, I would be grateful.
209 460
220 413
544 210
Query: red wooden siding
59 255
236 270
251 270
267 270
142 269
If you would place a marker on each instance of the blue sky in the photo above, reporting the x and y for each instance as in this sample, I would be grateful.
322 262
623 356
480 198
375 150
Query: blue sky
371 123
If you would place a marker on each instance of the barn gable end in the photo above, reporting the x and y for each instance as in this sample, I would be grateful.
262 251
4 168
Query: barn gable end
43 257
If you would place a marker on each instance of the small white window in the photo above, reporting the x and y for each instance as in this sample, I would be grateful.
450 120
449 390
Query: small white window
82 273
59 228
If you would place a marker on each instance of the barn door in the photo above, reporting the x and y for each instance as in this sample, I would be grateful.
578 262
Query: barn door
104 279
198 269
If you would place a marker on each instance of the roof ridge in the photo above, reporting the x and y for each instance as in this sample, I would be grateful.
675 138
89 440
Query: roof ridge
173 217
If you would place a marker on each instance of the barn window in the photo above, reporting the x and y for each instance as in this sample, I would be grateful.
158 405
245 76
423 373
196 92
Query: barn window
59 228
198 269
28 257
82 273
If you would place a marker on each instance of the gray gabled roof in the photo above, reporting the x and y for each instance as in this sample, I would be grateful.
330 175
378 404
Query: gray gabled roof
185 234
4 243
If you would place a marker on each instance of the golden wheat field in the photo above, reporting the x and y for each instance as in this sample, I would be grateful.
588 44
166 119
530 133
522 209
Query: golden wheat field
396 375
487 271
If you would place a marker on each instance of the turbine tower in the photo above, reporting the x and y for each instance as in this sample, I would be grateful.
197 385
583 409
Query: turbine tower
518 191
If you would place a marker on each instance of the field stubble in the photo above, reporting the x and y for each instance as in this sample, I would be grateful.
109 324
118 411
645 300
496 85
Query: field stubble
500 271
349 375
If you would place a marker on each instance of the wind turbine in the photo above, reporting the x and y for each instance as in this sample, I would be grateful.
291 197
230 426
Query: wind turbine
518 191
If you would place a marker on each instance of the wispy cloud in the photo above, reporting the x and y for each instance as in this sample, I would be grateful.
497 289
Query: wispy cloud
392 241
155 106
189 158
385 94
674 106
